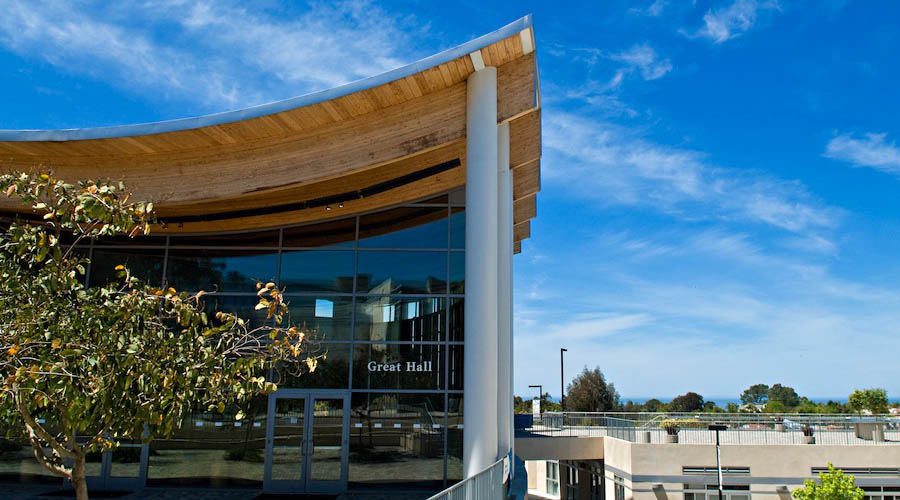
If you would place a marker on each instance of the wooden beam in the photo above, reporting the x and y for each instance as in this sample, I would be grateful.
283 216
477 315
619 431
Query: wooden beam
526 179
525 209
522 231
517 247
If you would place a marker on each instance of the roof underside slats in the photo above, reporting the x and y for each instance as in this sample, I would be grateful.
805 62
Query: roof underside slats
376 134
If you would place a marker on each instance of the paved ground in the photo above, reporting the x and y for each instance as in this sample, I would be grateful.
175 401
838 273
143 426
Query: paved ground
46 492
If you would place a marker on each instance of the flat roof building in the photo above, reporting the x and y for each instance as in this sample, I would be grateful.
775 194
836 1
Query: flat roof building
390 209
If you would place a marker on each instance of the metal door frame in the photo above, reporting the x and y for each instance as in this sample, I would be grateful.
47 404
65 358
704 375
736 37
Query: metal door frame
306 485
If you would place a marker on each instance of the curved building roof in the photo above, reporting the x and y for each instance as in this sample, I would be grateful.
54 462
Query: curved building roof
388 139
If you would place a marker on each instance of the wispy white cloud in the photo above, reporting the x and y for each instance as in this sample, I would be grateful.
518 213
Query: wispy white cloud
213 55
616 165
723 24
643 58
653 10
872 150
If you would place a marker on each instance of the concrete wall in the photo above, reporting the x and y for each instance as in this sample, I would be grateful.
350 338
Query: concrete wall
559 448
774 469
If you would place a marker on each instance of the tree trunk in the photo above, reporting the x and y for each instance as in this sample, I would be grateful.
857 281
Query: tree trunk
79 481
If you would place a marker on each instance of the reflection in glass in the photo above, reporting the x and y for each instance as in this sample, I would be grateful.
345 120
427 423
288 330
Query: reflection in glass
332 372
401 272
457 319
326 318
458 272
248 239
396 319
455 368
454 438
212 449
125 460
17 463
327 440
220 270
406 227
458 228
317 271
339 233
287 439
397 438
143 263
397 366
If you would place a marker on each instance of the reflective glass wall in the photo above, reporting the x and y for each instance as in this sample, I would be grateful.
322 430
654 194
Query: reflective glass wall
383 293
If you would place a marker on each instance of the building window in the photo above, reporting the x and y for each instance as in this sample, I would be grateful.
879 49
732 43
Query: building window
620 488
571 483
711 492
881 492
597 492
552 479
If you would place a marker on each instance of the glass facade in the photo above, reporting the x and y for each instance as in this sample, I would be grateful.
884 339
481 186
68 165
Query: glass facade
382 294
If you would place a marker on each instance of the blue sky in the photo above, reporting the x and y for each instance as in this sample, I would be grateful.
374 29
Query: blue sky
719 203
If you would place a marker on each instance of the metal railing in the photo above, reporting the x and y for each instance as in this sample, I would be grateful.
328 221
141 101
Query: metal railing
742 428
486 485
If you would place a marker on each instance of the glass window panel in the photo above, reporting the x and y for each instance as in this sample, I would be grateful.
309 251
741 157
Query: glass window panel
397 438
287 439
397 366
458 228
317 271
124 240
220 270
212 449
332 372
327 440
339 233
454 437
386 273
458 272
395 319
144 263
457 320
455 368
406 227
17 463
327 318
250 239
125 460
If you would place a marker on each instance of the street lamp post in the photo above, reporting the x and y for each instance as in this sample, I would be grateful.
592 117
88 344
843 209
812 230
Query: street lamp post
562 392
717 428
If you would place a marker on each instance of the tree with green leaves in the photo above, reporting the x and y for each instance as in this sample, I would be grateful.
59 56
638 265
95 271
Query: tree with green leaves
756 394
873 400
785 395
687 402
590 391
832 485
83 368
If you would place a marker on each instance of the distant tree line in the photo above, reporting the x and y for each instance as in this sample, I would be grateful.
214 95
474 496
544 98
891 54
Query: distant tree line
589 391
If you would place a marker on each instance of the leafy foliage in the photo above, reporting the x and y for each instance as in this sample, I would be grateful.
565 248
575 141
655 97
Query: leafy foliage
755 394
589 391
873 400
832 485
690 401
82 368
785 395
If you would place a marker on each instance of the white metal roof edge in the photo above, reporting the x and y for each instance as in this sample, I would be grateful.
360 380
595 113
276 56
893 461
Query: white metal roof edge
272 107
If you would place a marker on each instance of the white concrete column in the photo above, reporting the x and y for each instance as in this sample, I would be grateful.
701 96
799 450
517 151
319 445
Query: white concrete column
504 292
480 365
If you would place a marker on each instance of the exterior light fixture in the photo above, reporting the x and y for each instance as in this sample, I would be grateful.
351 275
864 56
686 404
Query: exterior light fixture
328 208
341 205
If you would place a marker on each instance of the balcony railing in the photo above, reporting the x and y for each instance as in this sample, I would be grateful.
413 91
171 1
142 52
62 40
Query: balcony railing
741 428
486 485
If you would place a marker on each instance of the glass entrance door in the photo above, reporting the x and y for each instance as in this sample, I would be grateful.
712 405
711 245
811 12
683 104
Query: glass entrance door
307 442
